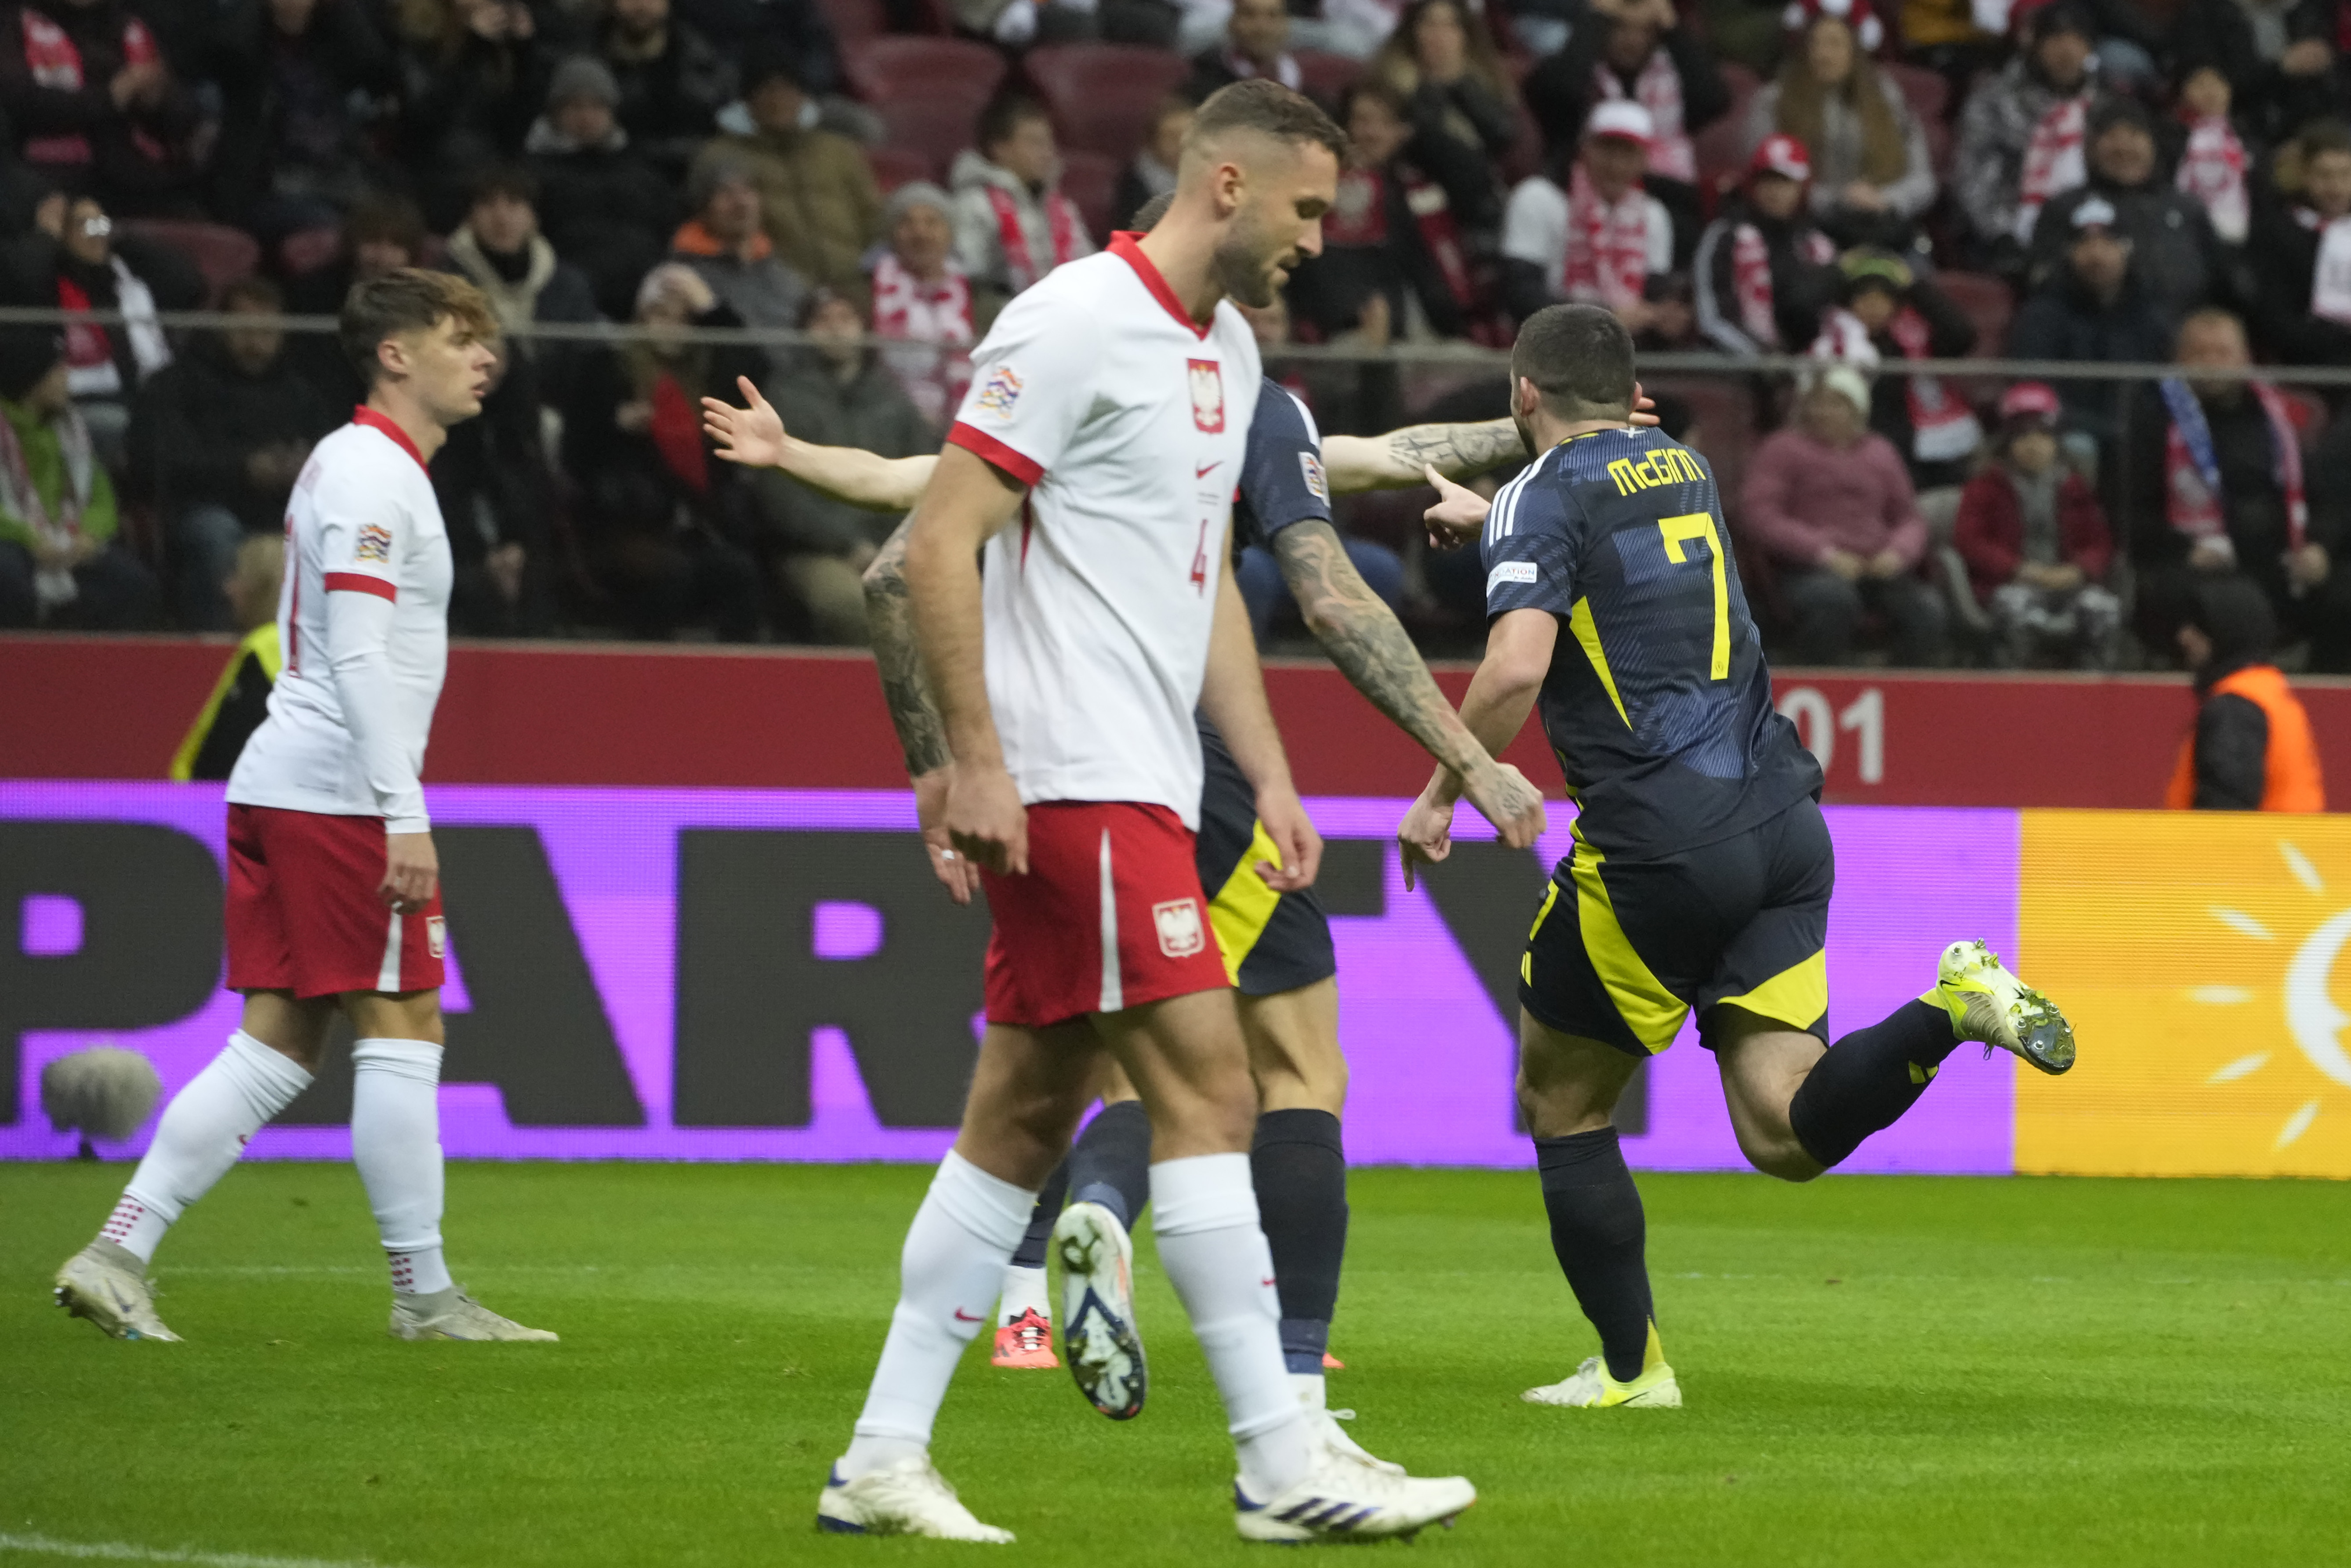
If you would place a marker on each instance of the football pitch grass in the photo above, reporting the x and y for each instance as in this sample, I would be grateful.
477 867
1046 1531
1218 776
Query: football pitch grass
1877 1371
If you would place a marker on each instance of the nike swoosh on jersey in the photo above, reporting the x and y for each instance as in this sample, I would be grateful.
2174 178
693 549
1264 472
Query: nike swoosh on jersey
1202 470
964 1317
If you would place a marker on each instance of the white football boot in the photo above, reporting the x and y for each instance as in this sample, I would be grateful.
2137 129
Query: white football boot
105 1283
1327 1431
1341 1500
452 1314
1590 1387
909 1498
1989 1003
1098 1336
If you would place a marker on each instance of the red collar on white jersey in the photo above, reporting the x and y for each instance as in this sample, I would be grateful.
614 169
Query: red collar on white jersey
1123 246
374 421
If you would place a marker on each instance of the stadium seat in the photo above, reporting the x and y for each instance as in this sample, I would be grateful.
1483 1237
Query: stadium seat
309 250
1325 75
1929 92
223 254
896 166
1988 304
928 91
1102 95
1721 156
1091 180
854 21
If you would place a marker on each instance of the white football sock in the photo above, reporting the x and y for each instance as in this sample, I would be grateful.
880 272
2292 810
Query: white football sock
1023 1290
203 1132
1204 1216
948 1273
396 1144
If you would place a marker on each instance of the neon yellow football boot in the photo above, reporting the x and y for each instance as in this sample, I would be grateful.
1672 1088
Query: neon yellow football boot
1990 1004
1591 1387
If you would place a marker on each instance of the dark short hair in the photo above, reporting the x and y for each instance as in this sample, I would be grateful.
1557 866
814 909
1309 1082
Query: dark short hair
1376 88
257 291
1269 109
413 300
1579 358
510 180
1004 114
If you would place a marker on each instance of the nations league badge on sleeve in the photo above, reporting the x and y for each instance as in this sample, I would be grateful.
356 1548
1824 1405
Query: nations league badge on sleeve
1000 393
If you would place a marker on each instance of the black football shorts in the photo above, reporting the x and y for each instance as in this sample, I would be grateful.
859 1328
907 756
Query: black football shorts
1273 942
1623 949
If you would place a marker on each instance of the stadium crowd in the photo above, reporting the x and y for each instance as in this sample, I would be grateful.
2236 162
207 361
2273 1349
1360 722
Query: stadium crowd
2092 181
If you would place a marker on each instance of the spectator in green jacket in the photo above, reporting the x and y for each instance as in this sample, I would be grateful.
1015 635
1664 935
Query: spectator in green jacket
60 562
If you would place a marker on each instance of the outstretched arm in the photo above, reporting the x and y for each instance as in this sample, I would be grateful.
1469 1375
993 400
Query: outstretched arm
754 435
1394 461
1372 649
1519 647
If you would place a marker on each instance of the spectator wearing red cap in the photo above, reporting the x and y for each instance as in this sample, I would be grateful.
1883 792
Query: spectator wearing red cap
1635 50
1764 270
2021 136
1832 505
1872 175
2036 543
1599 240
2301 255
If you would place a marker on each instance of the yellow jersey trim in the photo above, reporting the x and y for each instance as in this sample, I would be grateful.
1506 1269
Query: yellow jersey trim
1587 636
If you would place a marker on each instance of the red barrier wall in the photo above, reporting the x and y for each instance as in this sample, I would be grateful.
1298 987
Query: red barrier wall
95 707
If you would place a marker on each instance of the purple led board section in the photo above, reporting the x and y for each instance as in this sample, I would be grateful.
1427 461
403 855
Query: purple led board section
739 975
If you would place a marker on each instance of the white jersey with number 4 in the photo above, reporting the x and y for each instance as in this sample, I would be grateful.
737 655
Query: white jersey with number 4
1129 424
363 618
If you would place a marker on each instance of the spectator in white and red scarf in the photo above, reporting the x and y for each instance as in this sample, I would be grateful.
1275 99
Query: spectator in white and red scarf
2212 156
921 300
1396 258
1012 223
1872 174
2215 470
1764 270
95 106
1596 238
2022 138
2180 261
2302 257
1888 311
1636 49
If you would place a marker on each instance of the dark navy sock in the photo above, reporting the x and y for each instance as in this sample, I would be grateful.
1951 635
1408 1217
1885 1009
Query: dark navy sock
1030 1253
1299 1168
1600 1236
1110 1163
1868 1078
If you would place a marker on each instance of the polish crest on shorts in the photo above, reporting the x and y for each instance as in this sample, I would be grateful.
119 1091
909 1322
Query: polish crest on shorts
1177 921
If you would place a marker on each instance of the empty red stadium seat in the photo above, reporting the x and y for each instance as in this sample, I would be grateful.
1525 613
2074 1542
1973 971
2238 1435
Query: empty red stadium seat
1929 92
1988 304
223 254
309 250
928 91
1102 95
895 166
1325 75
1091 180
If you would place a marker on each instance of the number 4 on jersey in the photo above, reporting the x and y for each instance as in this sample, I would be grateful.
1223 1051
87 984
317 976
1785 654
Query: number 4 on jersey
1678 531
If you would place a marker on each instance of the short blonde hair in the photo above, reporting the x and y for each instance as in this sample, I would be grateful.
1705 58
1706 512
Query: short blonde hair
411 300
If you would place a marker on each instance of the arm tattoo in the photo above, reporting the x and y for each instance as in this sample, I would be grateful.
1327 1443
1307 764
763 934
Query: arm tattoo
922 734
1457 451
1367 643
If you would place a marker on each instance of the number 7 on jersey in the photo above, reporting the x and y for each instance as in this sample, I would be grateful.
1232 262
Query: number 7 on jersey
1678 531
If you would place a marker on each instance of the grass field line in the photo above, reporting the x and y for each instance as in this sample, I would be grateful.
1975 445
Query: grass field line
126 1551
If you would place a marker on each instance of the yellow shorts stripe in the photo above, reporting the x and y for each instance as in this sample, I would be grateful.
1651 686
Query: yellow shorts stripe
1527 958
1797 996
1243 907
1653 1013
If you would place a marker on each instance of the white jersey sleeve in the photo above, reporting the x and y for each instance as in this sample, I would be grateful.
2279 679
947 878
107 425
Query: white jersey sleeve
1032 384
363 535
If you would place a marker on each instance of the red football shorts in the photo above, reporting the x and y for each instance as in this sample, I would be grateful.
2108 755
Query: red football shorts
1109 916
304 915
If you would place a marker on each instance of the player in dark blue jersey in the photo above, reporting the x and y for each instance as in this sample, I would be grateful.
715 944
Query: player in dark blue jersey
1701 870
1275 946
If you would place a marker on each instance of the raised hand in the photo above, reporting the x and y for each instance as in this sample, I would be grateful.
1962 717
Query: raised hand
1459 515
753 436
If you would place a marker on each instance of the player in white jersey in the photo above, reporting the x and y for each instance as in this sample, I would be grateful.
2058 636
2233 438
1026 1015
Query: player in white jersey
1094 460
334 901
